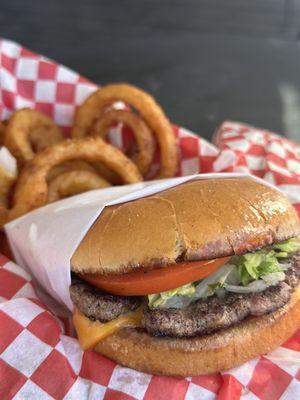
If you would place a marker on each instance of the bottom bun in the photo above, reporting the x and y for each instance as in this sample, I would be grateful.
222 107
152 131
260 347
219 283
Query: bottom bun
206 354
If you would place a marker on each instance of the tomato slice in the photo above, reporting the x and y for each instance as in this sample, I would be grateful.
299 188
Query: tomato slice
143 281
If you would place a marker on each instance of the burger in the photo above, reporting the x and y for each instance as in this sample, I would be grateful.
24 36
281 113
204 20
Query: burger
193 280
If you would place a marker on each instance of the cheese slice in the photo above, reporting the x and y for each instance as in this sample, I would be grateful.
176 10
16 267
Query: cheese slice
296 293
92 332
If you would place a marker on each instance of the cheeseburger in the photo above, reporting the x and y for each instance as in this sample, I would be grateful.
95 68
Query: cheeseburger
193 280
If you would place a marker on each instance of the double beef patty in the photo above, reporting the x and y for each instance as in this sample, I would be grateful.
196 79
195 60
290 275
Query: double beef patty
202 317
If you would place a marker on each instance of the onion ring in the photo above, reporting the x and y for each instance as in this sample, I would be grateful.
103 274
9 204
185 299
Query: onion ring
6 183
149 110
69 166
70 183
29 132
145 142
103 171
4 246
2 131
108 174
32 186
8 176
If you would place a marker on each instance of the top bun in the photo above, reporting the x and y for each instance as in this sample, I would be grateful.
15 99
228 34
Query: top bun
200 219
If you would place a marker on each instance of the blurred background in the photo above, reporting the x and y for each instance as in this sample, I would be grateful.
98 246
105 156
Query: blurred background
204 60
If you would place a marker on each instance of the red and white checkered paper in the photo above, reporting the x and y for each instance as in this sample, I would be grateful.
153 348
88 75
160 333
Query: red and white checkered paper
39 358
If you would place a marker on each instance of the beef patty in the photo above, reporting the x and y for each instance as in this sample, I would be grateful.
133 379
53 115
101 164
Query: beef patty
97 305
199 318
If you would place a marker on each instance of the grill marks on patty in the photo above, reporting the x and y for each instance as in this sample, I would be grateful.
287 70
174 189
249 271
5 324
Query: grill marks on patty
97 305
202 317
292 275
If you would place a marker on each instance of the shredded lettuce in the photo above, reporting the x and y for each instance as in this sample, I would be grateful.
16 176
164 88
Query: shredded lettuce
241 271
288 246
156 300
253 266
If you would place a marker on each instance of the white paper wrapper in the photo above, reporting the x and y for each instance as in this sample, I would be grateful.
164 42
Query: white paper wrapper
44 240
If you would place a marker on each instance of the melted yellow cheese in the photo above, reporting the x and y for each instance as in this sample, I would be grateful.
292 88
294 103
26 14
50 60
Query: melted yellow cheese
91 332
296 293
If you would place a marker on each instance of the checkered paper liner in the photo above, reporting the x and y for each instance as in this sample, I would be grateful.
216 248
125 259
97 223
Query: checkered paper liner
39 357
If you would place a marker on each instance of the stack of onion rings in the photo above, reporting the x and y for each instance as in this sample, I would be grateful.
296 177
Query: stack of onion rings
150 112
32 188
28 132
53 168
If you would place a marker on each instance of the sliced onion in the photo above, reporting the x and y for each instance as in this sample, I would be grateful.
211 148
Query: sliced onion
233 277
176 302
202 289
259 285
274 278
285 265
256 286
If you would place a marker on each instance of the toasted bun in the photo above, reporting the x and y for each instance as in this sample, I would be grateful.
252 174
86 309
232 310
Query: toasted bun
201 219
207 354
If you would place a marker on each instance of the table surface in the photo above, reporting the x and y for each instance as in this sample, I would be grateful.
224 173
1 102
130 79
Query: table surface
204 60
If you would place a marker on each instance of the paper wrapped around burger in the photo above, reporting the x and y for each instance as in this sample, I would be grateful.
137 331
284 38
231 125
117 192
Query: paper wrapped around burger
44 240
107 232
